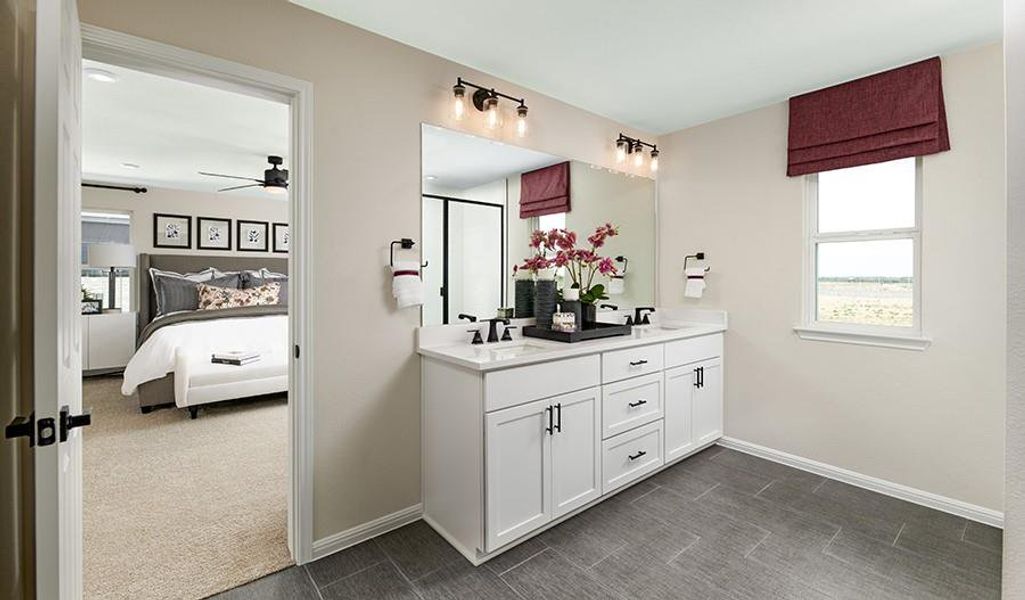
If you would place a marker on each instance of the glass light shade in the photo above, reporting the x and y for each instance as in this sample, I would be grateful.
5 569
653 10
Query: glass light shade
654 161
621 151
521 121
638 156
491 117
458 102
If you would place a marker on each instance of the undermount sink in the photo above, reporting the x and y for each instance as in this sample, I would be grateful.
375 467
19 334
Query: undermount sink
649 330
514 351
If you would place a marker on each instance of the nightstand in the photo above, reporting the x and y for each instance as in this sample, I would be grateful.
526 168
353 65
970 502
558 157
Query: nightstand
108 342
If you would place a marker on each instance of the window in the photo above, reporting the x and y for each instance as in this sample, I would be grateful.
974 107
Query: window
863 242
550 222
106 228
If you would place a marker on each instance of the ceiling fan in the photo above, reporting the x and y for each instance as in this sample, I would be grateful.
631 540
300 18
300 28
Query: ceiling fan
274 179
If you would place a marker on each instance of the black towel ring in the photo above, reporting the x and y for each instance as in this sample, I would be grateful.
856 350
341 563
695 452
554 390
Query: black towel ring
406 244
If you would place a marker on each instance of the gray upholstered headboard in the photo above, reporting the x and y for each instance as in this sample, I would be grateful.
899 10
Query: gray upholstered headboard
190 263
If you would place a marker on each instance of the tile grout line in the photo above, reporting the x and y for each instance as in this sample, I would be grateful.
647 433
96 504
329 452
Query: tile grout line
685 548
353 574
695 499
522 562
656 487
964 531
899 531
751 551
316 587
765 487
832 539
395 565
819 486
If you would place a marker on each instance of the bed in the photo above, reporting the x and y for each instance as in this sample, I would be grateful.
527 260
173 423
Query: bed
171 365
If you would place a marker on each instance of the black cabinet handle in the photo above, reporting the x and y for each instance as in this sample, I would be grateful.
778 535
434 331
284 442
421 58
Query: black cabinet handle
701 376
636 404
697 377
558 421
637 363
550 427
636 456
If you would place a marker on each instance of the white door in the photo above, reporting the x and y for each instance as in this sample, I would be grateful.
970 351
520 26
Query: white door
576 450
517 464
57 334
679 400
708 402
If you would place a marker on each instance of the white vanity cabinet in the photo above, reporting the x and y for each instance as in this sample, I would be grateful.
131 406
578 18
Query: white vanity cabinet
511 450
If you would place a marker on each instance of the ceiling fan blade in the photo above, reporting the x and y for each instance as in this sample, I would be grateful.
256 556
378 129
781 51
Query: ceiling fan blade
230 176
239 187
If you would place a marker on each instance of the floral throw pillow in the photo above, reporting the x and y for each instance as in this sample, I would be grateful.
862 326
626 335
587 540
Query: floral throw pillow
214 298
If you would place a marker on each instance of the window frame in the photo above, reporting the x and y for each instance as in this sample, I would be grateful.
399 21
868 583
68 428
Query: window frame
890 336
129 303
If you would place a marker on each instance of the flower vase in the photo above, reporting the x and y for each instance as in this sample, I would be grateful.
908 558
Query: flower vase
589 316
544 302
524 305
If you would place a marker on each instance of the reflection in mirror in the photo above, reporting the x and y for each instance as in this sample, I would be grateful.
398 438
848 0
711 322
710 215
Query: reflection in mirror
473 233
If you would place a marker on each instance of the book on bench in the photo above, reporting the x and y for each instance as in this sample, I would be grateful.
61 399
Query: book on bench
236 358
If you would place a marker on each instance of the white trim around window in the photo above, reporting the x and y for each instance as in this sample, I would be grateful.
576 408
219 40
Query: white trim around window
906 338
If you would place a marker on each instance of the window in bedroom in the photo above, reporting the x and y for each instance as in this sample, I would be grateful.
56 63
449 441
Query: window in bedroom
106 228
863 243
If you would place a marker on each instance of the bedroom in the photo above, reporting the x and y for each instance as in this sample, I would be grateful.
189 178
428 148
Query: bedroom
185 238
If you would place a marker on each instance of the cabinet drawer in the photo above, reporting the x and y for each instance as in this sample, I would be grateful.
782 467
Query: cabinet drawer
631 455
622 364
683 352
544 380
631 403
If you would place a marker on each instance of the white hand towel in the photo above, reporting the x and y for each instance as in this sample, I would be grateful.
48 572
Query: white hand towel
695 282
406 285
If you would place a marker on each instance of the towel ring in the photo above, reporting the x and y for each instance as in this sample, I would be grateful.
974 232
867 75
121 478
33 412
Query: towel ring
406 244
698 256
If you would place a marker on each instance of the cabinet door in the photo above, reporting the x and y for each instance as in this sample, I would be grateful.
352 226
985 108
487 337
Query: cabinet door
576 448
517 466
679 400
708 403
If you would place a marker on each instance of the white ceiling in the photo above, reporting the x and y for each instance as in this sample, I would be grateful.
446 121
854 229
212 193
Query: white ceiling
172 129
662 65
460 161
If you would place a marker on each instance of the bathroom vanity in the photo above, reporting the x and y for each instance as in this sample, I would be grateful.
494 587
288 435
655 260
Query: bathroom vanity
520 435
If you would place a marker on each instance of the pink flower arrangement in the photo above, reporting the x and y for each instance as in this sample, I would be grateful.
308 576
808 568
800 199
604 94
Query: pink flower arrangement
558 248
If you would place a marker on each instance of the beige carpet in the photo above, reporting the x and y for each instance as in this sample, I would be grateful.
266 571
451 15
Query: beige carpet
182 509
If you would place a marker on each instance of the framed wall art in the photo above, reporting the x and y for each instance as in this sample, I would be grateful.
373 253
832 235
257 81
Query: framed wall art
172 231
252 236
281 237
213 233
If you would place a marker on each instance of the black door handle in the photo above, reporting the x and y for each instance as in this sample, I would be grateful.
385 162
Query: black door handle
558 422
69 421
637 363
22 427
636 456
636 404
551 427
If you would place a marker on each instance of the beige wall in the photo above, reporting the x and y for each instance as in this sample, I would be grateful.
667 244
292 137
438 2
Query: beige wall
931 420
370 96
1014 521
194 204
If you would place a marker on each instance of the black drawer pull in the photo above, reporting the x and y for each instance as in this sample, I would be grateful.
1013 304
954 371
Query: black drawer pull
637 363
636 456
636 404
550 430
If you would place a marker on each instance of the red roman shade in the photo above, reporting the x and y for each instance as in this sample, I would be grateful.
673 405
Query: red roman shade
545 191
890 115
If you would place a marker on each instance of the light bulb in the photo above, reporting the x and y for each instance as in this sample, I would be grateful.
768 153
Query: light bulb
621 151
638 155
491 113
276 190
458 102
654 160
521 120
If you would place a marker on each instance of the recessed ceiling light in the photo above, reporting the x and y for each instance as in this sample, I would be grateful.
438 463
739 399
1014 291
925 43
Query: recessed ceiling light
101 75
129 165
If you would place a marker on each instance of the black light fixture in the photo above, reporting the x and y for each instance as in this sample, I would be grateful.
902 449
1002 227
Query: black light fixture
485 100
629 146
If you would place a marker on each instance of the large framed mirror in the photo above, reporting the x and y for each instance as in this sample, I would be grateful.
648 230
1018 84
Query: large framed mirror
475 230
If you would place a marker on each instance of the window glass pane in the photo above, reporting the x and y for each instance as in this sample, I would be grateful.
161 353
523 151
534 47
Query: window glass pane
549 222
867 283
879 196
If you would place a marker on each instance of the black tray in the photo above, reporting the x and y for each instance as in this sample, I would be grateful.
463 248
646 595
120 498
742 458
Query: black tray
597 331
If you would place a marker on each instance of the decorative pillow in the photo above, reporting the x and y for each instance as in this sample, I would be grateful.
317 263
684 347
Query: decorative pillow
213 298
175 292
255 279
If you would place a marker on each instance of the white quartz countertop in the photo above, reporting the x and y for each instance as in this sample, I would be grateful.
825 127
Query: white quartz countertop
526 350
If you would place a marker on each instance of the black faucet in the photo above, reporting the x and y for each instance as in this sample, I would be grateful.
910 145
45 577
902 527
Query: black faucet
470 318
493 328
612 306
641 315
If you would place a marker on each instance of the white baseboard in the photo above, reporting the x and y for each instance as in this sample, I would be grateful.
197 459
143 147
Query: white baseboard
889 488
361 533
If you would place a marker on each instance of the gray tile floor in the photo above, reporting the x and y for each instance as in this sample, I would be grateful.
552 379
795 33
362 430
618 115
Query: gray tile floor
719 525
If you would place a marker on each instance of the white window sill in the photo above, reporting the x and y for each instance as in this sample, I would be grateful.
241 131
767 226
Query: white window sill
882 340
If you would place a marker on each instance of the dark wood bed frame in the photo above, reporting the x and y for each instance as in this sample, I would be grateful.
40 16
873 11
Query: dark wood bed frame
160 392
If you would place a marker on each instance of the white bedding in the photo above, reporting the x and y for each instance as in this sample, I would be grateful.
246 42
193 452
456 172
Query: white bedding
195 340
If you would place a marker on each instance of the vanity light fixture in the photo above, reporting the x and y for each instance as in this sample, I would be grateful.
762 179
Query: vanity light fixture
628 146
486 101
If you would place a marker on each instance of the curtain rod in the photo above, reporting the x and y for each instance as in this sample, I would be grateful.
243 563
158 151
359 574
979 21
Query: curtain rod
123 188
